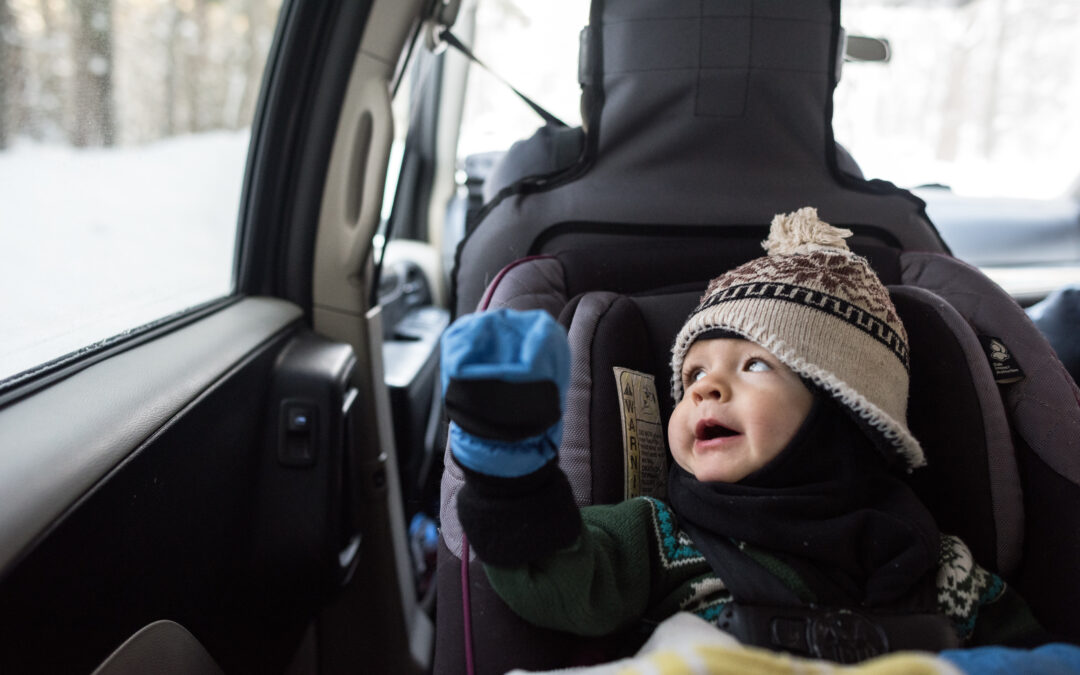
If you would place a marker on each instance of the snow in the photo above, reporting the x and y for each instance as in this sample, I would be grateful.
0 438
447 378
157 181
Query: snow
95 242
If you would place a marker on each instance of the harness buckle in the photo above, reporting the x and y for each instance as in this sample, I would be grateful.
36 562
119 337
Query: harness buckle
839 635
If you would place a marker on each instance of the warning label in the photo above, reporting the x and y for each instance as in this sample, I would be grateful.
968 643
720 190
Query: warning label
644 456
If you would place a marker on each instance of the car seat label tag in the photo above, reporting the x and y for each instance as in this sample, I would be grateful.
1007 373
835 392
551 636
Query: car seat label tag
1002 363
644 455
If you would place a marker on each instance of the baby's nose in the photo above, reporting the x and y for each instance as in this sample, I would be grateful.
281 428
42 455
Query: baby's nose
709 389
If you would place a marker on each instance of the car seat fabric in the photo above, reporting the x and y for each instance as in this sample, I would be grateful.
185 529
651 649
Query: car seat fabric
969 437
1043 404
1057 316
714 114
1043 411
549 150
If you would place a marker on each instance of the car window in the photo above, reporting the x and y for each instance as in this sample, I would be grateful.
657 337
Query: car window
533 45
979 96
124 130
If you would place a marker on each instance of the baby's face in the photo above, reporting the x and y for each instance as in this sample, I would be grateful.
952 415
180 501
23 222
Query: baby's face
741 406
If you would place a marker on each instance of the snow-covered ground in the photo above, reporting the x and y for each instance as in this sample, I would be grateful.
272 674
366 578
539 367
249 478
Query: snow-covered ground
95 242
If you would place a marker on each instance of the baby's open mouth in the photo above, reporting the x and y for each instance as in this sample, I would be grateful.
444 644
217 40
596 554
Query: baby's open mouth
707 430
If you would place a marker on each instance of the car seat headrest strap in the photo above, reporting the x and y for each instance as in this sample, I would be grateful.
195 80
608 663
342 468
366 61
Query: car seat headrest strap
453 41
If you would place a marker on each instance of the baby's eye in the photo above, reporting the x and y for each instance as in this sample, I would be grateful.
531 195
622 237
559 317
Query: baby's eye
757 366
693 376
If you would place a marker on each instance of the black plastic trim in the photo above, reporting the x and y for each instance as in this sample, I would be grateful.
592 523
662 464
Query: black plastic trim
685 231
26 383
163 533
66 439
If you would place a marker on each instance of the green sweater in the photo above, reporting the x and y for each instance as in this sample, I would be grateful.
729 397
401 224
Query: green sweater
603 583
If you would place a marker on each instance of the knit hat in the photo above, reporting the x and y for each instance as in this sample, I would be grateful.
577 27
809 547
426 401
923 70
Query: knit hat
822 311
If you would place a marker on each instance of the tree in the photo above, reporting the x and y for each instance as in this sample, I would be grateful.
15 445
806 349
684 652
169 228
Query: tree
9 69
94 122
259 18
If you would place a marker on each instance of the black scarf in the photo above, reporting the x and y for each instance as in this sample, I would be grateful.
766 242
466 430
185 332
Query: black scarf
829 510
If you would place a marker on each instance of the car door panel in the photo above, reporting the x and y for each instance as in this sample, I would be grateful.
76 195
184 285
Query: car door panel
108 409
163 482
164 648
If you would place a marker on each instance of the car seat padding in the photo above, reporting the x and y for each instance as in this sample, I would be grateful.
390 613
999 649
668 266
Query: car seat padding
1044 407
1043 412
970 482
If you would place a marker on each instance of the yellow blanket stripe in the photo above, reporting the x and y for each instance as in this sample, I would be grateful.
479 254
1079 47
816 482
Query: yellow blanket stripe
686 645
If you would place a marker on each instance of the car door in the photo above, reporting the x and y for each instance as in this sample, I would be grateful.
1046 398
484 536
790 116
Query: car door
225 462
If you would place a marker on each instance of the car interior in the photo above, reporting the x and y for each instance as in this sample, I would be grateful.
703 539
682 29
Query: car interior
262 483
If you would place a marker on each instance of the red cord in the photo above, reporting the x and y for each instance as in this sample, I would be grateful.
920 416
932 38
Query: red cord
466 605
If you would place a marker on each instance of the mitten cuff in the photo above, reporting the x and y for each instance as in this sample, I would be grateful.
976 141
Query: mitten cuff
513 521
503 459
503 411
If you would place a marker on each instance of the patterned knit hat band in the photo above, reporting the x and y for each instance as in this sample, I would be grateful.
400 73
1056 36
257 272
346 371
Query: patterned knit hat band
822 311
801 296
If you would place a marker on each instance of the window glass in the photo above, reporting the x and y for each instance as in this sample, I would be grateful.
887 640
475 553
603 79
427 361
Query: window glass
124 128
401 109
533 44
980 95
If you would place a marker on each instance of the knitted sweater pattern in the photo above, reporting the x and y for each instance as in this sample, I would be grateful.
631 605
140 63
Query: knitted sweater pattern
603 583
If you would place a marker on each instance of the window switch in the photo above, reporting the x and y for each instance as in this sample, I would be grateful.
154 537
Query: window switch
298 435
298 419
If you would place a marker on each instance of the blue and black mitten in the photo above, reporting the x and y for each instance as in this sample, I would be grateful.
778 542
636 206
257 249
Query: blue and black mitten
504 380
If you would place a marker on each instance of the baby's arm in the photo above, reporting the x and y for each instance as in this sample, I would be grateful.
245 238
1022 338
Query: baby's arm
601 583
983 608
504 377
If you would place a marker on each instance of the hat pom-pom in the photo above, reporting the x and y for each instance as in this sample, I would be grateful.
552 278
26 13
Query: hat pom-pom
803 232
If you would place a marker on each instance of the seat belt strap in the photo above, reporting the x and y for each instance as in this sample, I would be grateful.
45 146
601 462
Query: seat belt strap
457 44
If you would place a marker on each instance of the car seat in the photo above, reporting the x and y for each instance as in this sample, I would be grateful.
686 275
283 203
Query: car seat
1002 443
687 156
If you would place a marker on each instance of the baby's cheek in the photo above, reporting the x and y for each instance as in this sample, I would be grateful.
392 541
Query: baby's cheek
671 434
678 433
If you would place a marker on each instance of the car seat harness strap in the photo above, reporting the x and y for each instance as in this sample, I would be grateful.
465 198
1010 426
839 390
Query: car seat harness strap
843 636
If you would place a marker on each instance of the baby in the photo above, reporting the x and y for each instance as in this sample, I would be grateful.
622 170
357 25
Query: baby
789 441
